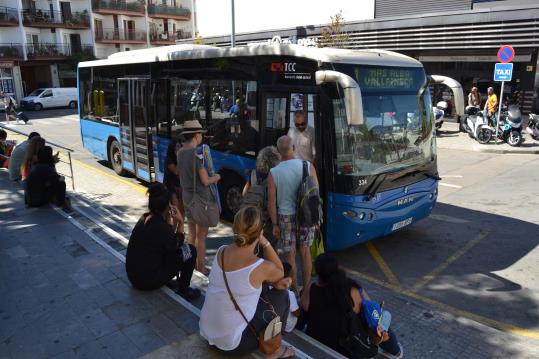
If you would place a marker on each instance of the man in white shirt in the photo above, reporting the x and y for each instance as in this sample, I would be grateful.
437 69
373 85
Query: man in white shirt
302 137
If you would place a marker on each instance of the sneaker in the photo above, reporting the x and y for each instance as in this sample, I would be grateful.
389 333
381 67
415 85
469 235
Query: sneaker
189 293
385 354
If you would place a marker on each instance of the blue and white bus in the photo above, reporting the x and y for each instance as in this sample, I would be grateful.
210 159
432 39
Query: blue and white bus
371 111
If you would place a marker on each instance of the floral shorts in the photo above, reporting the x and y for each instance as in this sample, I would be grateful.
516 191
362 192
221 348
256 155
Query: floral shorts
291 234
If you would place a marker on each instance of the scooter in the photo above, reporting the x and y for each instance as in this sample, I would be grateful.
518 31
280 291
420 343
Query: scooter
510 126
439 112
533 126
476 125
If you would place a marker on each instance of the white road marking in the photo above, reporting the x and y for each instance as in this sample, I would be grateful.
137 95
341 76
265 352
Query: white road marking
449 185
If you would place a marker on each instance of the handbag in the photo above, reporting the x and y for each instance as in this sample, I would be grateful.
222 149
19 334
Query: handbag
268 346
203 212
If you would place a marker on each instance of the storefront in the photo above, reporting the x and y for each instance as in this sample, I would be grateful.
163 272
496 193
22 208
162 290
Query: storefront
7 81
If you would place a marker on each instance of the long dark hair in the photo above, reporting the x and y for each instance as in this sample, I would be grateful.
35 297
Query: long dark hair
171 149
159 198
333 279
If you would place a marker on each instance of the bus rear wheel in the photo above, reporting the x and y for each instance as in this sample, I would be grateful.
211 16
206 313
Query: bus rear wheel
230 191
115 158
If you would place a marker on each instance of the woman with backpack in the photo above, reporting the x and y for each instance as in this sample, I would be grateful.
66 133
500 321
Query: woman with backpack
335 300
255 192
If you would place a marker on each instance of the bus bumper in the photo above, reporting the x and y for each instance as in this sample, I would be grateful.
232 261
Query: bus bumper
353 219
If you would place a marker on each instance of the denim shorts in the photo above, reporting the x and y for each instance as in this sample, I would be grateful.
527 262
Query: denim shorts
290 233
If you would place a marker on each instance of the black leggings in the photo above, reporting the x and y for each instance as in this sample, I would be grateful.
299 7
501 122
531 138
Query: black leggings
281 303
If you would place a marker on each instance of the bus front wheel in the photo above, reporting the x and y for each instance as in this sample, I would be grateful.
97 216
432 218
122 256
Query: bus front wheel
115 157
230 190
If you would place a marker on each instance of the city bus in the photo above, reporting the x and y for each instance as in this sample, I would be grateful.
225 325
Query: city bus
371 111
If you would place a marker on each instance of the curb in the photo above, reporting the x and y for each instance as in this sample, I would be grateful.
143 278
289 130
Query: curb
502 151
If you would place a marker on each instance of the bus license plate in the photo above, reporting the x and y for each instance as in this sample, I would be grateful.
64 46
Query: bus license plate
401 224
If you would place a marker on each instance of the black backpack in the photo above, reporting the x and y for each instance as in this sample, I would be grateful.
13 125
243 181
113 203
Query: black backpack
309 210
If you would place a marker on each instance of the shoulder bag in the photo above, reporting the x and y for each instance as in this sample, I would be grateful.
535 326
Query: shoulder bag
269 346
203 212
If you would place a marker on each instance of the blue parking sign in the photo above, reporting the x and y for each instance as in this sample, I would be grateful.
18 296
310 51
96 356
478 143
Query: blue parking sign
503 72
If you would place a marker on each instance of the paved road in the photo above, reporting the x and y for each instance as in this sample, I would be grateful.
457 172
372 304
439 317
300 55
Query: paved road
474 260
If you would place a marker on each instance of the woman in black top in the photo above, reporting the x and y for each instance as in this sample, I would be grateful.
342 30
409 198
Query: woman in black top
157 252
171 178
328 303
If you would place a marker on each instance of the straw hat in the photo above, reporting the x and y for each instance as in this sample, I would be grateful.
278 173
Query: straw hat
192 126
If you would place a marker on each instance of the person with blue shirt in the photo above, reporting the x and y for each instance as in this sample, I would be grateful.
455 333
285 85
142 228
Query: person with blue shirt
235 110
283 185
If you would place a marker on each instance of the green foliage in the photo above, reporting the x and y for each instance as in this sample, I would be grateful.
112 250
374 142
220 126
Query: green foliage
198 40
333 35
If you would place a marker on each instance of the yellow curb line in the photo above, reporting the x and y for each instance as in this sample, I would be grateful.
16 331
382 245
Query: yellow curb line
382 264
115 177
505 327
482 235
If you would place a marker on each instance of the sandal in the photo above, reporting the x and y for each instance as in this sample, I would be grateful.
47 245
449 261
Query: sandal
287 352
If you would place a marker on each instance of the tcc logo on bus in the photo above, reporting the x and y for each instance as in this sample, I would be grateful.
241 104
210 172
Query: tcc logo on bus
283 67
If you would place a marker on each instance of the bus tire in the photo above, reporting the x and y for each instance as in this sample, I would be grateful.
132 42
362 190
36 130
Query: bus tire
230 191
115 158
73 104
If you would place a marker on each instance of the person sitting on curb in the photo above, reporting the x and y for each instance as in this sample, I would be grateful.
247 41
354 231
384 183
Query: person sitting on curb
157 250
330 299
232 330
44 185
17 157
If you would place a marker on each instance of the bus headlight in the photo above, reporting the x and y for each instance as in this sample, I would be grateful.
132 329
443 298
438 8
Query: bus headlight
362 215
349 214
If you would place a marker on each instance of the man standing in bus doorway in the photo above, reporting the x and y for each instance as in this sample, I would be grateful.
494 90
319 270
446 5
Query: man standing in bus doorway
491 105
283 185
302 137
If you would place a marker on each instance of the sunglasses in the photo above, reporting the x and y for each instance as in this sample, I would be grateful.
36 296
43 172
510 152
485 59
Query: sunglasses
301 124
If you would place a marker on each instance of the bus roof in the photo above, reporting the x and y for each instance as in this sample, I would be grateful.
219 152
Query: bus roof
195 52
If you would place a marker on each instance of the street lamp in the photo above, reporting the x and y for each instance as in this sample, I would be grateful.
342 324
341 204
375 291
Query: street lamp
233 37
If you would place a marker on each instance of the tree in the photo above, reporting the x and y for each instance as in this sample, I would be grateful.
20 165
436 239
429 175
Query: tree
333 35
198 40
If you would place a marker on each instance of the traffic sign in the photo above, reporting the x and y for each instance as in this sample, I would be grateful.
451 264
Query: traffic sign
506 54
503 72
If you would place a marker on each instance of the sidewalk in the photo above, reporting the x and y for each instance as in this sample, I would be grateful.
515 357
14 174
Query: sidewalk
449 137
64 296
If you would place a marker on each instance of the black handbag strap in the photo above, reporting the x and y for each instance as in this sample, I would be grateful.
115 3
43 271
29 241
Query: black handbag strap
236 305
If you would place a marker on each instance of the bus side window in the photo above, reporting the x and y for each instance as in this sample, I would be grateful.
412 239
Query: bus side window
275 119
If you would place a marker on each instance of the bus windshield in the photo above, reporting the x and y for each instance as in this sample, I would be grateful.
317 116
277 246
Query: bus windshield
397 131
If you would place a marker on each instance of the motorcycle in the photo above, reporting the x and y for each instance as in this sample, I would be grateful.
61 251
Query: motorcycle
476 125
510 126
533 126
439 112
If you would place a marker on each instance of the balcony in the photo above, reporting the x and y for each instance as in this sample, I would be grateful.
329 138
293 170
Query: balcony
168 12
168 38
118 7
8 16
11 51
117 36
55 19
52 51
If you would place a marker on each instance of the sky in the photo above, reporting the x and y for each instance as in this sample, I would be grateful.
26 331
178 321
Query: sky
214 16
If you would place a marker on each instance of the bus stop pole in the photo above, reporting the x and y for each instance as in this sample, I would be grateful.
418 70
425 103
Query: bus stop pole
499 113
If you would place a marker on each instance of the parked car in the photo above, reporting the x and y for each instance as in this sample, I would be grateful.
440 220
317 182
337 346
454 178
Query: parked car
50 97
4 99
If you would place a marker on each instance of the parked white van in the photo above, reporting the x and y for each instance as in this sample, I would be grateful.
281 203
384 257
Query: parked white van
50 97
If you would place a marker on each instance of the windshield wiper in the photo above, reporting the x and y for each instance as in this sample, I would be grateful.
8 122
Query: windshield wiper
413 173
373 188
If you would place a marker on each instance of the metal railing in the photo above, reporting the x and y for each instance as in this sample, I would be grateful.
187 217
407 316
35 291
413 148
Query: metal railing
69 162
137 6
10 51
47 50
120 35
169 36
9 15
162 9
41 17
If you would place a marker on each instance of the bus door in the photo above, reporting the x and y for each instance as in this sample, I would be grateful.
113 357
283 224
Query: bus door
135 132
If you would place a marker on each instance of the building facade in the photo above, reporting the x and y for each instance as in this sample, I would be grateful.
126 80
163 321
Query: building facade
456 38
41 41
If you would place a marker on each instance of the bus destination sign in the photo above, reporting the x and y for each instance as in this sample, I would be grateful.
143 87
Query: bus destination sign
385 78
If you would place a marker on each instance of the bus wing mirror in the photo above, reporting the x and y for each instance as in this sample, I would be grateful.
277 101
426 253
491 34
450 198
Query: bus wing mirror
456 89
353 102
